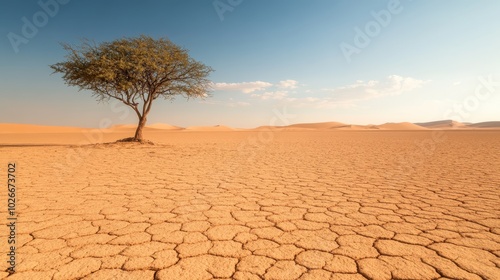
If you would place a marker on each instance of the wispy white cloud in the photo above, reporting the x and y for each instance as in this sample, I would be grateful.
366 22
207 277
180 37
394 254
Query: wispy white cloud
361 90
245 87
348 96
249 87
274 95
288 84
316 102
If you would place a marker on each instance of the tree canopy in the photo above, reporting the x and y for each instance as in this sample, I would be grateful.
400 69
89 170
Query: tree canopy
135 71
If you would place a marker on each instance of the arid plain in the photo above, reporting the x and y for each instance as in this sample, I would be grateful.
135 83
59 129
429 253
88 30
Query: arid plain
296 203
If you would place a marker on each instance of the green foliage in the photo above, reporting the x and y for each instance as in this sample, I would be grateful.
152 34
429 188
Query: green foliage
135 71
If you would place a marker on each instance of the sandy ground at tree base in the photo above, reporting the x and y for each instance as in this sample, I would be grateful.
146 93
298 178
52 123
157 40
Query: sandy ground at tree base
255 205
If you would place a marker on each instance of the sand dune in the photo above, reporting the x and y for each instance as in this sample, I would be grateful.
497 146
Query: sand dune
444 124
357 127
122 127
318 126
401 126
210 128
133 127
451 124
29 128
164 126
303 126
267 127
321 125
282 128
485 125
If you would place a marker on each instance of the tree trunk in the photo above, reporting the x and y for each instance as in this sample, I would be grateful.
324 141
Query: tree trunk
140 126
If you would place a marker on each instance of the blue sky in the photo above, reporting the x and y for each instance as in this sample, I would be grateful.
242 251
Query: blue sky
349 61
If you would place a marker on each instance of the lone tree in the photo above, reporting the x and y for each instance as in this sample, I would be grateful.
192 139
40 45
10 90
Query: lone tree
136 71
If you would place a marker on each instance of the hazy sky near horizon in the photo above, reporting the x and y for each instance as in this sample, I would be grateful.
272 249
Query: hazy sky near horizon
361 62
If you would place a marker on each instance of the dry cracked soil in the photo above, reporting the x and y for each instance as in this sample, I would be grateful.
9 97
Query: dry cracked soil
259 205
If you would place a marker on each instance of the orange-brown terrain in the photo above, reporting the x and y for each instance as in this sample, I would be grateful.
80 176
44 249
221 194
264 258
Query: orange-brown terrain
256 204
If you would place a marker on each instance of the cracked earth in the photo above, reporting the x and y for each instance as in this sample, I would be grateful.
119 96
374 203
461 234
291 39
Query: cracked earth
306 205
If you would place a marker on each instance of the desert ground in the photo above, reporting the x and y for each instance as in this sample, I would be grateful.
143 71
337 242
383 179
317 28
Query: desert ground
217 203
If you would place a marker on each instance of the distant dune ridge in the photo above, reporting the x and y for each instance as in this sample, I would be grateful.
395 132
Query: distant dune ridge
486 125
401 126
31 128
122 127
343 126
451 124
164 126
443 124
321 126
210 128
161 126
